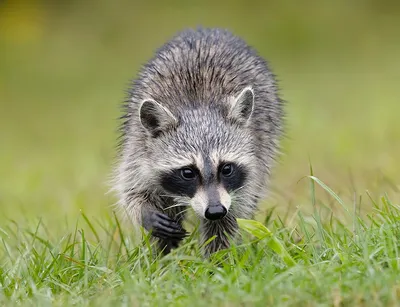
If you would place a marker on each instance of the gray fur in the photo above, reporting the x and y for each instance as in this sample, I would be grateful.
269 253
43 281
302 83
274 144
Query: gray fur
206 95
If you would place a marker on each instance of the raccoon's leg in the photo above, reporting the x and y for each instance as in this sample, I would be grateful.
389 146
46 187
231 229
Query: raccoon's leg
223 230
168 232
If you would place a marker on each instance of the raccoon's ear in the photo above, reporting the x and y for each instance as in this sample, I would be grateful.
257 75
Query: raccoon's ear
155 117
242 105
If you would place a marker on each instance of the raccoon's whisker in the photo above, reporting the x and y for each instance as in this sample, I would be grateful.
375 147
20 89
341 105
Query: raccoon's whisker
177 205
183 211
180 215
176 196
243 186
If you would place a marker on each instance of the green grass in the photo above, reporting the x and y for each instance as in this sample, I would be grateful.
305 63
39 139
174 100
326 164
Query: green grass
317 262
328 236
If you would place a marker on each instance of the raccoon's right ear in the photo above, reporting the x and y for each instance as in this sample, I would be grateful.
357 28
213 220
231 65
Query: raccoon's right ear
155 117
242 105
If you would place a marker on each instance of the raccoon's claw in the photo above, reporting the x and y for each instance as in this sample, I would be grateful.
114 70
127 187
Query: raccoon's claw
166 228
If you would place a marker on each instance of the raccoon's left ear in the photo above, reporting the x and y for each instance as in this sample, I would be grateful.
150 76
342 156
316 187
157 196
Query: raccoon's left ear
242 105
155 117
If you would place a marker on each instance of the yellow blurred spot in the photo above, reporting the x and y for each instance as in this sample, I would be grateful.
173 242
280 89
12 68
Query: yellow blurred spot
21 21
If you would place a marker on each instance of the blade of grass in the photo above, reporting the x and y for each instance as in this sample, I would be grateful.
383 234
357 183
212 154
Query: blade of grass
261 232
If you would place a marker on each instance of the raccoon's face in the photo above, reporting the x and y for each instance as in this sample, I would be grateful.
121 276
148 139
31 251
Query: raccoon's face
208 189
204 157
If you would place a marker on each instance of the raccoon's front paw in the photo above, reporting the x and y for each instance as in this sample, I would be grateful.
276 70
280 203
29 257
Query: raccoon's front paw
163 227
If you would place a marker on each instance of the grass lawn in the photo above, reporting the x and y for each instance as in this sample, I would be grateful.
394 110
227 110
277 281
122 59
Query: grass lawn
328 235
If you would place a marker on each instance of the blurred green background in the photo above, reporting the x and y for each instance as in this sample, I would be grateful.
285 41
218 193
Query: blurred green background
65 67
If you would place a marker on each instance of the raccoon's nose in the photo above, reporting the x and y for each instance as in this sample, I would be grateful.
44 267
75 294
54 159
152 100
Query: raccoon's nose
215 212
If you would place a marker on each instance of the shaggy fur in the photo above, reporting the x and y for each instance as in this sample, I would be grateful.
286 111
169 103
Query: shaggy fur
206 98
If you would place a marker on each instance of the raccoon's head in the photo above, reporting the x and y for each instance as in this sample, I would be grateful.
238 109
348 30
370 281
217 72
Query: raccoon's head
203 157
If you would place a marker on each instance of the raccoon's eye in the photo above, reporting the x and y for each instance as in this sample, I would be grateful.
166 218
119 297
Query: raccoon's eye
187 173
227 169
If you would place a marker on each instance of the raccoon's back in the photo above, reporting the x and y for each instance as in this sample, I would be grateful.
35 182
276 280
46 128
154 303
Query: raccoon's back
201 66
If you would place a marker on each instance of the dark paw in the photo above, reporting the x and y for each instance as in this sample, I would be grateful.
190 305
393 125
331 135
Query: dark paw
163 227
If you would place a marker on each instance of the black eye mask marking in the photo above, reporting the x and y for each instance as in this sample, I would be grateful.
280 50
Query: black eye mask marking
181 181
231 175
185 181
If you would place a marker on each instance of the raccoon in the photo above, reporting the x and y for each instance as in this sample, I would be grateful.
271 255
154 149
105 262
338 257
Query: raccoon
200 130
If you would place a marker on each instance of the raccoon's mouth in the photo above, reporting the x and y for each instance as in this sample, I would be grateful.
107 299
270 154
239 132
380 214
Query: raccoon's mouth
212 205
213 212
